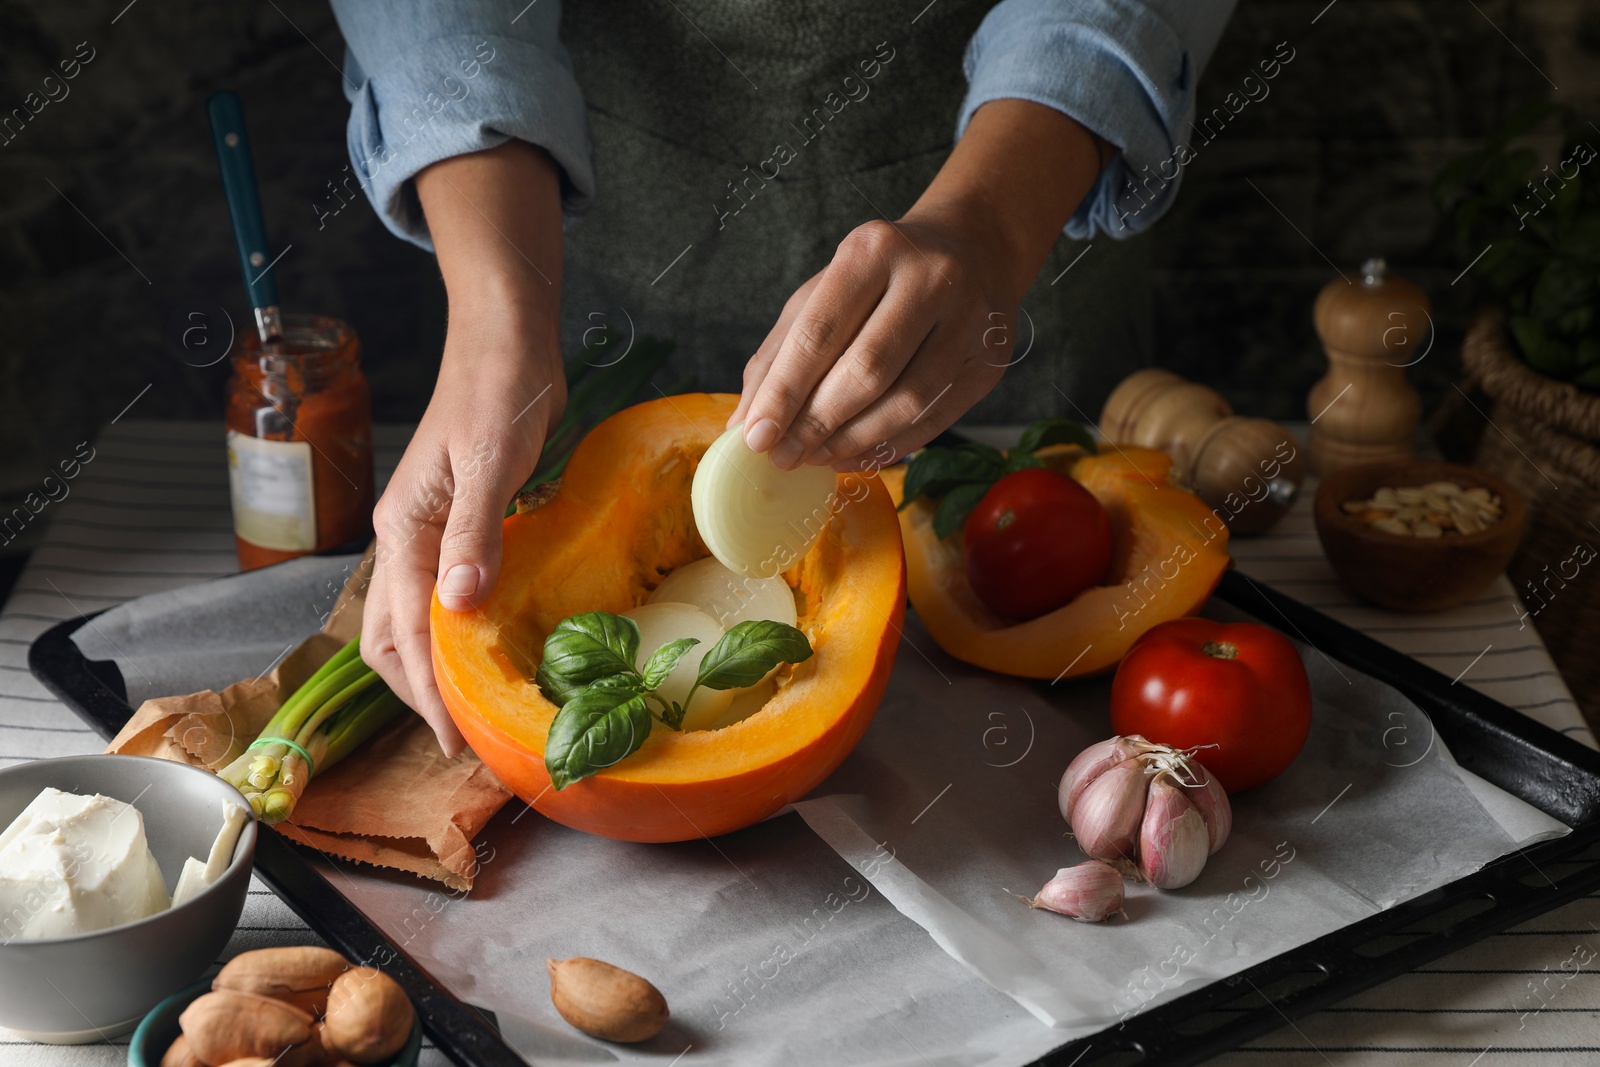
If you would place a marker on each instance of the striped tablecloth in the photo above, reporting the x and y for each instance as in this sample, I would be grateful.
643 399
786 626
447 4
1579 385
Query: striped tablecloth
150 511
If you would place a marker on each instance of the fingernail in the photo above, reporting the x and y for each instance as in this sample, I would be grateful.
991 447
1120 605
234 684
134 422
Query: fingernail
787 454
460 580
762 436
822 455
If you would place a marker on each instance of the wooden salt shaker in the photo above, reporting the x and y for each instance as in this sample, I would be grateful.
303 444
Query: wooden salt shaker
1364 409
1248 470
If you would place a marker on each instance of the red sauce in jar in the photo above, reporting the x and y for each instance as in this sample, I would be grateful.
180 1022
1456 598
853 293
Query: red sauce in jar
299 442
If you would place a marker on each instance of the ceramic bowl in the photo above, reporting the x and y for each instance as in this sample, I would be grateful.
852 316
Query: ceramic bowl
160 1029
94 986
1414 574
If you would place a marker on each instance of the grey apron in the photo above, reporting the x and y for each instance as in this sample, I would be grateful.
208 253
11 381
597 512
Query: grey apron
734 152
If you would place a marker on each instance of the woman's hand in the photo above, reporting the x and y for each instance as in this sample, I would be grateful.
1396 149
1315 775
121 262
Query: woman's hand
914 321
907 328
438 523
496 224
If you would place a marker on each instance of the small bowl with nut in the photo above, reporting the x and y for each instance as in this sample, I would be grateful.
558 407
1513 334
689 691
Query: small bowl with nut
300 1006
1416 535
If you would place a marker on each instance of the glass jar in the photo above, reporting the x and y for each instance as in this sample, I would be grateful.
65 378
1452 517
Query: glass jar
299 442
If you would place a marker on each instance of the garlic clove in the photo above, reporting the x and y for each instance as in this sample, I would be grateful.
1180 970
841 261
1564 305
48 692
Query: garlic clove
1107 815
1210 800
1090 764
1173 839
1088 892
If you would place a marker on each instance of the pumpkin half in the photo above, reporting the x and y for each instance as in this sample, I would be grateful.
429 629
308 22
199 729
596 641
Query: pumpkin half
619 522
1168 552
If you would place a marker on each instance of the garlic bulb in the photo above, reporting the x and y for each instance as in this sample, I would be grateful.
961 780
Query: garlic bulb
1173 839
1149 808
1109 813
1089 765
1089 892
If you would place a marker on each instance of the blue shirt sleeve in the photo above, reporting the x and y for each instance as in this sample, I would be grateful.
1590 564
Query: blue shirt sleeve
1124 69
431 79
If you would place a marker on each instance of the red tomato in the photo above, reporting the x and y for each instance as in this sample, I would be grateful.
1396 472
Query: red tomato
1036 540
1241 687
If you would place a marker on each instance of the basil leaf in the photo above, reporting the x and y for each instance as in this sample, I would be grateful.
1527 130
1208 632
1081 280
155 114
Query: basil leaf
663 659
1054 432
585 648
600 725
631 683
554 689
955 507
673 715
935 471
747 652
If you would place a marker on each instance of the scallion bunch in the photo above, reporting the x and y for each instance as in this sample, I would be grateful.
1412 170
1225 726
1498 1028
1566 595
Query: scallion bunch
338 707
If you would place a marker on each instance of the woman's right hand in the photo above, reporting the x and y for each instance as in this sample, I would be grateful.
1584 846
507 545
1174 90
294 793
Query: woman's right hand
495 218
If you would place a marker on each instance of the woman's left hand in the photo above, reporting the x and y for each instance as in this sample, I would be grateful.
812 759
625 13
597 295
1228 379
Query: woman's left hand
911 324
914 321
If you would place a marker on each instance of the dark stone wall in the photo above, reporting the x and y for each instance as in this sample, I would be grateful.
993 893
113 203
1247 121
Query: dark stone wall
113 229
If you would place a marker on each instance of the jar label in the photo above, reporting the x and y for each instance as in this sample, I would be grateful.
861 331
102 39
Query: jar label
273 505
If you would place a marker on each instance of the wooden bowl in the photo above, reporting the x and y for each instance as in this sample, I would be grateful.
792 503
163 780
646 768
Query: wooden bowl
1414 574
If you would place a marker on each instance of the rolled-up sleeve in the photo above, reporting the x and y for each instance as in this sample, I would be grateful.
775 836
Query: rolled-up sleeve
1124 69
428 80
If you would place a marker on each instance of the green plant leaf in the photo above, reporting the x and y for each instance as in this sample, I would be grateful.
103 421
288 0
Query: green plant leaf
664 659
1588 354
585 648
747 652
955 506
935 471
1054 432
1529 336
1521 121
601 725
1589 379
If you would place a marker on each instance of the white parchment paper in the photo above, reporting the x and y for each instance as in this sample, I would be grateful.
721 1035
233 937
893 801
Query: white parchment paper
875 924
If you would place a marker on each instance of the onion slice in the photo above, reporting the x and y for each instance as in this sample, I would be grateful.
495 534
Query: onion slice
727 597
756 519
660 623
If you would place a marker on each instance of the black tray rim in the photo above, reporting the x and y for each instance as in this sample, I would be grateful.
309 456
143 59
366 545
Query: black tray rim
1504 746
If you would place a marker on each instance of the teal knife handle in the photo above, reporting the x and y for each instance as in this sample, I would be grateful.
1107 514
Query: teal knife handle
244 202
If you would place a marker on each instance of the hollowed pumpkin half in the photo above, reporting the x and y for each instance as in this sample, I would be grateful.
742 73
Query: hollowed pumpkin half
619 522
1169 550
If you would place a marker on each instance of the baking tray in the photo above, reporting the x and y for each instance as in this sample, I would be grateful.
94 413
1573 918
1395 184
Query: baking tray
1545 768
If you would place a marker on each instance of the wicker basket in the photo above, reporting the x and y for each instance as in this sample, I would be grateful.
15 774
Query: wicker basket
1544 438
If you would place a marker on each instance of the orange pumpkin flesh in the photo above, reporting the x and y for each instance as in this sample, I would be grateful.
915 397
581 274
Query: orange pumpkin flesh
1168 552
619 522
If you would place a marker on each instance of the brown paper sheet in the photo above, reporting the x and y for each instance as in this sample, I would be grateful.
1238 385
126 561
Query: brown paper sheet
397 803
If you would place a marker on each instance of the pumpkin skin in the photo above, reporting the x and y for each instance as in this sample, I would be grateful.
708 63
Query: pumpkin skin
620 520
1165 541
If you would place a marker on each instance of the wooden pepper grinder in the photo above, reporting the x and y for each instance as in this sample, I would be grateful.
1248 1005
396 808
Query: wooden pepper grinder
1247 470
1364 409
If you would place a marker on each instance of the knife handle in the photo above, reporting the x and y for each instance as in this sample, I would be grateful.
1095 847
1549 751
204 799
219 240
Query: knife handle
244 201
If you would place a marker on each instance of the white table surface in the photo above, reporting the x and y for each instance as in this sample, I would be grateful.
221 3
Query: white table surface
150 512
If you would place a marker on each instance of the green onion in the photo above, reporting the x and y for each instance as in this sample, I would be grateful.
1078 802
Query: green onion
341 705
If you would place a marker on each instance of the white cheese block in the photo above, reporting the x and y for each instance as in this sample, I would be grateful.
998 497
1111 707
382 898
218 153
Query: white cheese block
72 864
